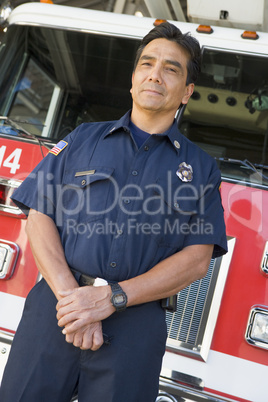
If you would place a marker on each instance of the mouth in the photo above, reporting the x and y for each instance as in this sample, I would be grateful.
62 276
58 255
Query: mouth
151 91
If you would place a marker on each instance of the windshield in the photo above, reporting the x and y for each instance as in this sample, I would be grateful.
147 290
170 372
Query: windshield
52 80
227 115
60 79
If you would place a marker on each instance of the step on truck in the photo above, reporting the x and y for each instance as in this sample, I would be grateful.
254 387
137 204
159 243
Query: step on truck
61 66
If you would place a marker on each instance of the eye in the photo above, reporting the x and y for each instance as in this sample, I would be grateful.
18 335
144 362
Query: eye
171 69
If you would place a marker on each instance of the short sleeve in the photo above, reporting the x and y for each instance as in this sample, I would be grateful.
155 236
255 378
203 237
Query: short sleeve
40 188
207 226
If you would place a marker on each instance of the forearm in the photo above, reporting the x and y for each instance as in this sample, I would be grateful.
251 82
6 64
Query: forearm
50 260
48 252
169 276
163 280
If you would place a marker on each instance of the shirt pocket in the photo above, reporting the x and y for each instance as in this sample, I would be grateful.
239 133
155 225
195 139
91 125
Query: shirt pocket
87 191
179 198
179 204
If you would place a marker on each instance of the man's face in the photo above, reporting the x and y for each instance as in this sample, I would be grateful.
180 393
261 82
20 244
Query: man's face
159 81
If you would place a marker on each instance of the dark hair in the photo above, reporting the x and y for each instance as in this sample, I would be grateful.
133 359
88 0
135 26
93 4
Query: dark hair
186 41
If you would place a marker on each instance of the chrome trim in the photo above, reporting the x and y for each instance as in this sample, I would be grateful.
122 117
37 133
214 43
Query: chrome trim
11 256
264 261
164 397
254 342
189 380
5 338
191 328
244 183
10 210
185 394
12 184
5 345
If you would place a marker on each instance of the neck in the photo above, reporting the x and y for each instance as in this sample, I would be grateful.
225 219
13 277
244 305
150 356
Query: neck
151 122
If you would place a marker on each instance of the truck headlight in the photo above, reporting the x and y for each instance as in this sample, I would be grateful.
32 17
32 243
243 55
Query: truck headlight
257 328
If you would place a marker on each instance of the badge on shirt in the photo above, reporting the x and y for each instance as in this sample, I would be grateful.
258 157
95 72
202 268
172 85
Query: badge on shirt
58 147
185 172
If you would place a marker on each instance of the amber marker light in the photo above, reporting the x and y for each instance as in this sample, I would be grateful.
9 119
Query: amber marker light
250 35
159 22
204 29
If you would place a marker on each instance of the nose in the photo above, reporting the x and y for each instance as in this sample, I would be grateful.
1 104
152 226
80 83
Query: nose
155 74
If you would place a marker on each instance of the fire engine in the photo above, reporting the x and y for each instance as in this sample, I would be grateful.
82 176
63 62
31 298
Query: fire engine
61 66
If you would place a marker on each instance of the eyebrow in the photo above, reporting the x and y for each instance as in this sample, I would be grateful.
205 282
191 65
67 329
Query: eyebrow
172 62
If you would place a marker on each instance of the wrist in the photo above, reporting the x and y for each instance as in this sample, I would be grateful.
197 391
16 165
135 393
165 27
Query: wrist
118 297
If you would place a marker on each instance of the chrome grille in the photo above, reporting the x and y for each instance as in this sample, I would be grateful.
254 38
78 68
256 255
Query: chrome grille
189 328
184 324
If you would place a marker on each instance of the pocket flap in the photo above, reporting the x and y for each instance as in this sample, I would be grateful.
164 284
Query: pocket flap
84 177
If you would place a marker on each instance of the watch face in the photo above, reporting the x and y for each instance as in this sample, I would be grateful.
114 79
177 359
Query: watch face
119 299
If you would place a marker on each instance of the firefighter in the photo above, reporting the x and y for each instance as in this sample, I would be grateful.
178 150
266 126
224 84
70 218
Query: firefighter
121 215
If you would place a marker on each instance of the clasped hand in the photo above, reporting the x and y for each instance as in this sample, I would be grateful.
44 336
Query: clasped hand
80 312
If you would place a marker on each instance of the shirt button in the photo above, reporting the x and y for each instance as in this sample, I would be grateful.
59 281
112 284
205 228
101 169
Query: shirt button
134 172
176 205
146 148
119 232
126 201
83 182
177 144
113 264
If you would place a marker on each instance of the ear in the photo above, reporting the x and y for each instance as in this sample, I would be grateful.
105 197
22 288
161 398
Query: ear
132 82
188 92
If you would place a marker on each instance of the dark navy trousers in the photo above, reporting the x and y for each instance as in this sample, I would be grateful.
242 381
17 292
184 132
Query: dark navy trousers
43 367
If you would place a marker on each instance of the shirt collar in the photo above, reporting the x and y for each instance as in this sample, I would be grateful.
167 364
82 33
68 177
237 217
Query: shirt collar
175 136
172 133
120 124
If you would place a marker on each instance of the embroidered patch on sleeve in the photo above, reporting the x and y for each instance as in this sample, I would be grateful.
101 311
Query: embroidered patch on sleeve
58 147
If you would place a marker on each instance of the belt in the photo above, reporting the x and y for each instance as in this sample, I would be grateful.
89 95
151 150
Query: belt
87 280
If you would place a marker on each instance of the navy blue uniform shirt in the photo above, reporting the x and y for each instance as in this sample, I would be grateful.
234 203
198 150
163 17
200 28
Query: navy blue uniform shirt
121 209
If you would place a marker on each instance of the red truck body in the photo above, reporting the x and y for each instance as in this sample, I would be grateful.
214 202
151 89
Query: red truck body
217 346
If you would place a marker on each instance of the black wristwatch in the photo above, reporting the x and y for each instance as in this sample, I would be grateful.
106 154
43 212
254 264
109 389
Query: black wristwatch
119 297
